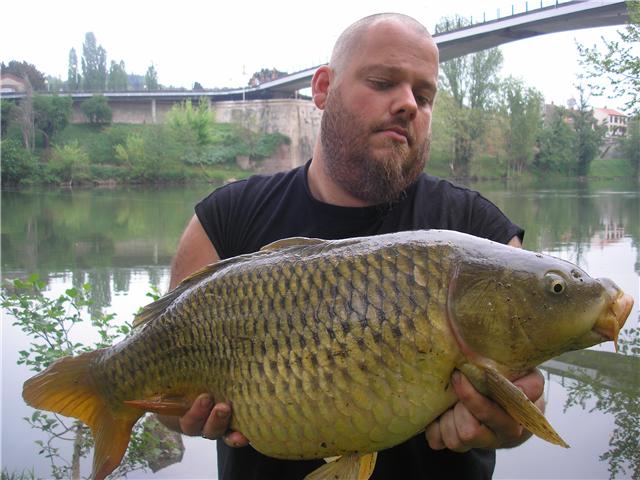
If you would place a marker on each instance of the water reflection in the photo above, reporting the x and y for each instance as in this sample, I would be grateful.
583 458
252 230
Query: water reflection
121 241
610 383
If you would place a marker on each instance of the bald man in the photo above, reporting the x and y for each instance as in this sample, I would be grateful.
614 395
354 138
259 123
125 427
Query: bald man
365 178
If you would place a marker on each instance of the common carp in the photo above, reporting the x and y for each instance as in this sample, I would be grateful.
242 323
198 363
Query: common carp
339 348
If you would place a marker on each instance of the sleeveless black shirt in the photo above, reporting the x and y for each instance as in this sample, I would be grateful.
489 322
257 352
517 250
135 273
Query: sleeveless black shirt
243 216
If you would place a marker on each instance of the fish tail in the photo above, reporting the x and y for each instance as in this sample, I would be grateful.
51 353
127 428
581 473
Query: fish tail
66 387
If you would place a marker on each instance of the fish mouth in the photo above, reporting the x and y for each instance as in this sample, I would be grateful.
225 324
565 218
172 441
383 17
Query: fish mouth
609 325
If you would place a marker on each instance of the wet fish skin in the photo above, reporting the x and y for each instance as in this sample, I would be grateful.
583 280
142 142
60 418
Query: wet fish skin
337 347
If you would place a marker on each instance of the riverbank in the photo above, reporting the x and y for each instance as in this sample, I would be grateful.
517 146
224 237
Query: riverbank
128 154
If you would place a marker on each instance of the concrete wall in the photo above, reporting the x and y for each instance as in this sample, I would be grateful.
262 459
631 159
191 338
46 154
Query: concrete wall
297 119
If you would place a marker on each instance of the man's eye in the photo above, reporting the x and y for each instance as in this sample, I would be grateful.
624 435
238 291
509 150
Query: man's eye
423 100
379 83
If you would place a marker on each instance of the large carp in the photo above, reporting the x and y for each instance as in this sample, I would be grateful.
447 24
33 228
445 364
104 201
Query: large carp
339 348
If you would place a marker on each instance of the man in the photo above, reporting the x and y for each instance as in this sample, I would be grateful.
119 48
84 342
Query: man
365 177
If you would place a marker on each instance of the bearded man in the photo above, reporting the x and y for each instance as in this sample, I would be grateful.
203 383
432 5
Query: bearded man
365 178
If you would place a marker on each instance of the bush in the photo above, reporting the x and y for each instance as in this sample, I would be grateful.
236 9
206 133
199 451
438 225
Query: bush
70 163
97 110
18 165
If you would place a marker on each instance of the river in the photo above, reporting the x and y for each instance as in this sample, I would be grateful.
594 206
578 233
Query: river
121 242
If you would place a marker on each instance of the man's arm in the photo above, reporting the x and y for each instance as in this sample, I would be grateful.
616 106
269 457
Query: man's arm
205 418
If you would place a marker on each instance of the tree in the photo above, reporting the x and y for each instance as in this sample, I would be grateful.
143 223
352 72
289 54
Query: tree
51 114
631 145
522 107
25 117
73 77
94 65
619 63
23 69
589 135
472 81
118 80
151 78
556 145
97 110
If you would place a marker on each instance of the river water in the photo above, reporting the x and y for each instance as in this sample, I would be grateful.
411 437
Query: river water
121 242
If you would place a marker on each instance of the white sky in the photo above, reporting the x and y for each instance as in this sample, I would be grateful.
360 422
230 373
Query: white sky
212 42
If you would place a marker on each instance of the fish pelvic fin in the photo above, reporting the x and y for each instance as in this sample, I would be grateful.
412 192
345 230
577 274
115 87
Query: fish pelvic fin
66 387
492 383
348 467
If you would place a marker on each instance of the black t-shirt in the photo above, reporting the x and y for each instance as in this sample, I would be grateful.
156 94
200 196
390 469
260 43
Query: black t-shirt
243 216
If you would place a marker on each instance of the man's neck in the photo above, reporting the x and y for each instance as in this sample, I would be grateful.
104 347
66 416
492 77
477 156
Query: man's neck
324 189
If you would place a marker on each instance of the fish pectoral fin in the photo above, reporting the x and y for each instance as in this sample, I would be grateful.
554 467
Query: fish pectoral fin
176 405
347 467
518 405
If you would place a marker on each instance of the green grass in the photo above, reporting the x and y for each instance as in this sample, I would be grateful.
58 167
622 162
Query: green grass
610 168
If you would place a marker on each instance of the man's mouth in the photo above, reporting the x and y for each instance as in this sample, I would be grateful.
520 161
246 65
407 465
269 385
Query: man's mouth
397 133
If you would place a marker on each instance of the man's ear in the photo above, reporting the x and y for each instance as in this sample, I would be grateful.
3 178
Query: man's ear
320 85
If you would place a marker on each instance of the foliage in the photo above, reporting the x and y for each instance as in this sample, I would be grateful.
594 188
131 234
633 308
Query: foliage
589 135
151 78
631 145
50 324
17 163
94 64
70 163
51 114
192 125
73 77
23 69
97 110
6 111
472 81
265 75
117 80
150 157
556 146
522 107
618 63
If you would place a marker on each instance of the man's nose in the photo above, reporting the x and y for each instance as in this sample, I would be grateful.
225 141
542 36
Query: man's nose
404 102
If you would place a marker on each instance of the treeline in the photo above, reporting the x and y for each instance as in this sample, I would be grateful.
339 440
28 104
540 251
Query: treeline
39 146
479 114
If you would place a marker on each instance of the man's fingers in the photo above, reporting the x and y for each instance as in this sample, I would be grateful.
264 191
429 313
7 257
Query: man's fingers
192 422
486 412
218 422
235 439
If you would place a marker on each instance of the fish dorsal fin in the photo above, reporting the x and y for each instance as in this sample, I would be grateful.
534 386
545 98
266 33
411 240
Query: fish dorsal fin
154 309
492 383
291 242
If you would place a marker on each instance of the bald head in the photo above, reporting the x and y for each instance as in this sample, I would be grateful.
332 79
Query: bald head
347 44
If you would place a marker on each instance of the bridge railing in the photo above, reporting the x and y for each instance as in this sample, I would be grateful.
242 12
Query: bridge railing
505 10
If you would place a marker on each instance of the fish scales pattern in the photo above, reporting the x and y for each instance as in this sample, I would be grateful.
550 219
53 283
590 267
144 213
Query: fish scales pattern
306 346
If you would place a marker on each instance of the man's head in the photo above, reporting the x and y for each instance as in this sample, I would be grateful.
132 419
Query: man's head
377 95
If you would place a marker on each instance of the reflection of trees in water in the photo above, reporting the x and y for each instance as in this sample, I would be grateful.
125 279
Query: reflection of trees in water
615 389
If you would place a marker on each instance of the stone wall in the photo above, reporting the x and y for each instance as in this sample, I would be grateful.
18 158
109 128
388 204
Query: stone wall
297 119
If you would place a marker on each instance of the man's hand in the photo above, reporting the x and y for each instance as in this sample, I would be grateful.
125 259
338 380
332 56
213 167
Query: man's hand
208 421
476 421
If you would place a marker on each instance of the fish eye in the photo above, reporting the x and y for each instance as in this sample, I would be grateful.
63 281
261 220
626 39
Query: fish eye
557 284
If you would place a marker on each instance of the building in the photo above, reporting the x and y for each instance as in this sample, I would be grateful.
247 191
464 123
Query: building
615 121
10 83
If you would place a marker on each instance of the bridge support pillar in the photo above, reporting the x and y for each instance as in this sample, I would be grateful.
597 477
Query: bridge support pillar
153 111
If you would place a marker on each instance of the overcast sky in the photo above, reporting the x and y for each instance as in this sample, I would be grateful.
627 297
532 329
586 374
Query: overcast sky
214 42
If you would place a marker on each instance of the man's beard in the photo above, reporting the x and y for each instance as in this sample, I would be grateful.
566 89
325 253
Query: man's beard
350 163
